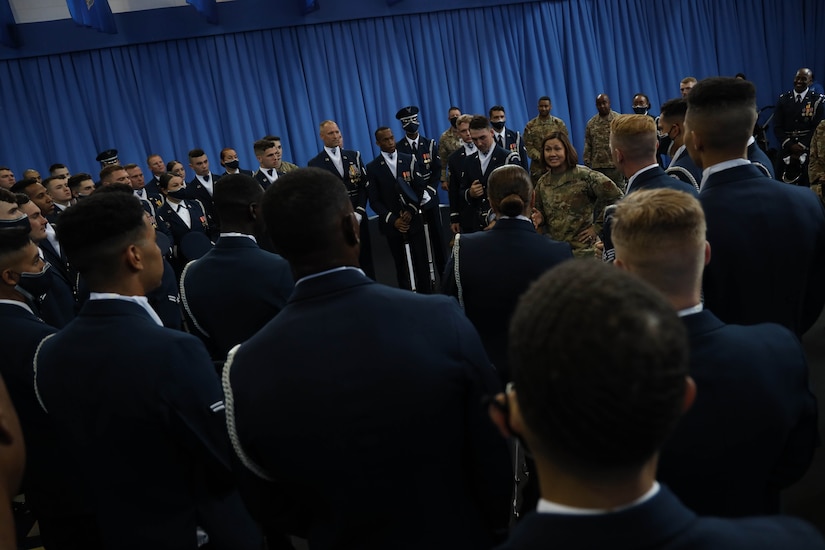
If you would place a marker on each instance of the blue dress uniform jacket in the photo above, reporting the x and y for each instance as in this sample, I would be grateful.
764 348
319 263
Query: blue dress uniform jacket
386 202
196 191
654 178
455 167
376 439
683 168
795 123
661 523
355 180
496 267
471 207
59 306
428 164
752 429
514 143
232 291
147 424
768 250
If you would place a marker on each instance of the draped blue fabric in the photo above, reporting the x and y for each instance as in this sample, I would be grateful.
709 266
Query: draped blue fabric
231 89
308 6
8 26
207 8
93 13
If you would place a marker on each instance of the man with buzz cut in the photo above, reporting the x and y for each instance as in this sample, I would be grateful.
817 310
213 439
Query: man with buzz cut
768 239
734 450
155 460
269 152
387 410
350 170
600 369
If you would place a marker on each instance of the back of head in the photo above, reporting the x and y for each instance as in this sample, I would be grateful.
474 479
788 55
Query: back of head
635 136
304 212
510 190
599 360
13 241
659 234
22 185
96 230
233 196
722 111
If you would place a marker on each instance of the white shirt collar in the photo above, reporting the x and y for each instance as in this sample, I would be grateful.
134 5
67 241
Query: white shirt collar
327 272
690 310
633 177
142 301
24 305
751 141
236 234
332 151
411 141
548 507
390 157
519 217
469 148
726 165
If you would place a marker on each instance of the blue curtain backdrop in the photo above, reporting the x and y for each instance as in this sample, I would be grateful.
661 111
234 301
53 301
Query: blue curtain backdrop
228 90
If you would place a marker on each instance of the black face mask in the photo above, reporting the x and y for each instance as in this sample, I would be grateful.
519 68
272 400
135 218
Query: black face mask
410 127
177 194
498 125
453 121
34 285
233 164
640 110
665 143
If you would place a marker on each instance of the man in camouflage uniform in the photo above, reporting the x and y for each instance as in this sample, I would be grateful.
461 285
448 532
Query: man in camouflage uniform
597 142
448 143
534 134
816 164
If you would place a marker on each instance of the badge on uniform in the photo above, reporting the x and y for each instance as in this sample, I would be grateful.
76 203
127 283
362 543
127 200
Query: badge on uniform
406 176
426 158
354 174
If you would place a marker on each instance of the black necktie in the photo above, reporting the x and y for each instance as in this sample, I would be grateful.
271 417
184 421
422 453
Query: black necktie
180 205
269 171
415 145
499 141
206 178
799 98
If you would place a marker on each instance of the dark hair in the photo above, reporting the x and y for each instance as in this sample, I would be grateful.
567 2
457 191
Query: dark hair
12 241
647 99
495 108
545 98
304 211
599 360
163 180
262 145
195 153
21 199
223 152
479 122
21 185
676 107
116 187
234 194
50 179
740 75
7 196
381 129
74 181
509 188
56 166
453 108
171 164
727 108
271 138
95 231
571 157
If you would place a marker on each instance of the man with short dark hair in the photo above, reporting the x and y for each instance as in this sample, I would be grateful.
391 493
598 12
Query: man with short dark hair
506 138
6 177
235 288
798 112
155 459
114 173
599 361
57 188
768 239
671 129
82 185
686 85
383 390
202 186
268 153
59 170
456 169
477 167
734 450
597 154
449 142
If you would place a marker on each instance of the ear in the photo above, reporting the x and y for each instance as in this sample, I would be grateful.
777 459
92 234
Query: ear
254 211
618 156
498 417
620 264
690 394
8 277
707 253
350 229
133 257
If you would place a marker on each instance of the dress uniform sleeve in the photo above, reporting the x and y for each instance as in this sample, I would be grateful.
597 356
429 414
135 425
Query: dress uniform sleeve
361 202
377 203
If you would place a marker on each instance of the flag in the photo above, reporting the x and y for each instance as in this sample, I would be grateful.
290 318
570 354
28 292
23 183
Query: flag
8 27
93 13
208 8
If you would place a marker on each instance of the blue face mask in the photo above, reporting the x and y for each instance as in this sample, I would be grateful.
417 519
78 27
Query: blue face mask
35 285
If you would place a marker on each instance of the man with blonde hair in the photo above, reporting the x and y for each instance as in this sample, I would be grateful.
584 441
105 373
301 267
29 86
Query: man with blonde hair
633 145
752 430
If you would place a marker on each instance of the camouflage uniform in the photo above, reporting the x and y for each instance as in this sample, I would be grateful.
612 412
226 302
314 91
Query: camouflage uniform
573 201
448 143
534 134
286 167
597 153
816 166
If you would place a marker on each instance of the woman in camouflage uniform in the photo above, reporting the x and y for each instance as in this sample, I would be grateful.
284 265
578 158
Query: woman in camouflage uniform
570 199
